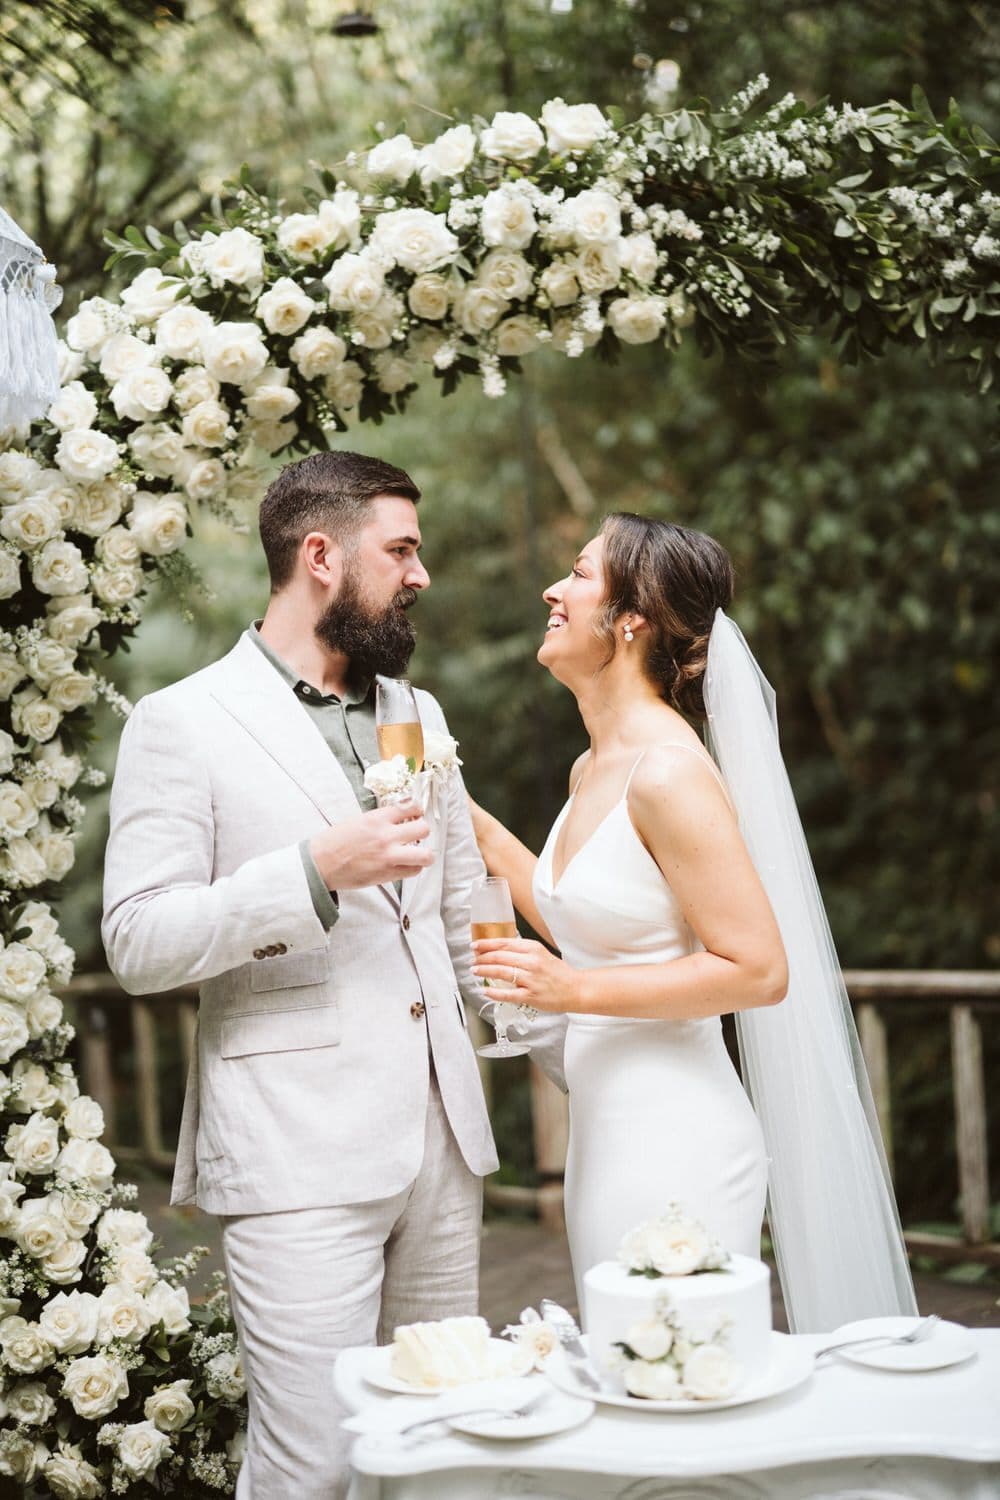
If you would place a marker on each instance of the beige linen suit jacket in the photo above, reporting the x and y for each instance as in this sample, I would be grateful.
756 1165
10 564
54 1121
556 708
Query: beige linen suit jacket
310 1082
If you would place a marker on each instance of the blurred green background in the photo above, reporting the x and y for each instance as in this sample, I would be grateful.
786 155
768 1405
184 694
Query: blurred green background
860 504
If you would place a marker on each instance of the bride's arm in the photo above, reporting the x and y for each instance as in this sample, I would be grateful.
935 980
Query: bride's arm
504 854
685 821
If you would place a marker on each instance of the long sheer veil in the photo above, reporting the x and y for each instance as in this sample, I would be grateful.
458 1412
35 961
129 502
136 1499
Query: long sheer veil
831 1208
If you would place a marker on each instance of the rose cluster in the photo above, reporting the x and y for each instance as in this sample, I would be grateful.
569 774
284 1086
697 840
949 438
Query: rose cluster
662 1359
673 1245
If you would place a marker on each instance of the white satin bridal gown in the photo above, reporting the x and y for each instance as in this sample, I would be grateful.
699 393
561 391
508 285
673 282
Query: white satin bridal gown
657 1110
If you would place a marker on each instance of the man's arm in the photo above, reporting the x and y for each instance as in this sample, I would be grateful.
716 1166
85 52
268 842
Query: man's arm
166 921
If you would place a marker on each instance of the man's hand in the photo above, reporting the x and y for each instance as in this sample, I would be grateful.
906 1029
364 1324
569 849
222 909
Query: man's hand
376 847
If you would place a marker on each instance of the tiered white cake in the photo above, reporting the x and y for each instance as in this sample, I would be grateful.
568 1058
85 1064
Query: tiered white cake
433 1356
697 1321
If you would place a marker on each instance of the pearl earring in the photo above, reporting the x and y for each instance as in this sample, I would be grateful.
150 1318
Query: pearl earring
628 633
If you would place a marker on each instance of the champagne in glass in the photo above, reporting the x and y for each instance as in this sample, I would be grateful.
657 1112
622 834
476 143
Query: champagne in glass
492 916
397 722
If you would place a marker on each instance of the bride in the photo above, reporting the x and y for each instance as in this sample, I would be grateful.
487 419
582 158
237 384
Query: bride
675 894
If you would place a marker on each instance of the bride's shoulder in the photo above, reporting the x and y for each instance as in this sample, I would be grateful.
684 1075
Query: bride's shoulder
576 771
675 777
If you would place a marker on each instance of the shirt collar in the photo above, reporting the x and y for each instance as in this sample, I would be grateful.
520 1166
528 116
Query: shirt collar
302 689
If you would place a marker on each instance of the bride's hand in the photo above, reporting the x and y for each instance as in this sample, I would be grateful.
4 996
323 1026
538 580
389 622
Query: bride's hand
541 979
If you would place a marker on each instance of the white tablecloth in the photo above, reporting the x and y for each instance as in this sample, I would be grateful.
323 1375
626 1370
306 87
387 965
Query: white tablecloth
849 1433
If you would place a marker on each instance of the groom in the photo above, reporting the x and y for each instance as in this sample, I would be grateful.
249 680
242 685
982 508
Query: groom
334 1117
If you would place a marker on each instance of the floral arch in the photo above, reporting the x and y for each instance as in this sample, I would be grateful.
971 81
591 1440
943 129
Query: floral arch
260 334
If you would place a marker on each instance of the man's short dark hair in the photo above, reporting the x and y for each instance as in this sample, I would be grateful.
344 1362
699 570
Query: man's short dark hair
328 492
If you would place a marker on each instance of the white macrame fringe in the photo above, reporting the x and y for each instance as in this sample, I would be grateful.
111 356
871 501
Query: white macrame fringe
29 362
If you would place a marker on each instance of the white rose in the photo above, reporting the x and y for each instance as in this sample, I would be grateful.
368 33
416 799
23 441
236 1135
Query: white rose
25 1349
30 522
429 296
61 960
99 506
42 1012
118 548
7 752
598 267
68 1321
151 295
42 925
17 814
340 218
31 1088
22 970
655 1382
142 394
59 569
142 1447
64 1264
637 320
193 385
71 363
74 408
57 489
572 127
21 864
376 328
414 238
19 477
303 236
10 1191
86 455
170 1406
47 659
87 1162
224 1378
10 573
507 273
517 336
512 137
478 309
159 522
39 1230
122 1314
346 384
156 448
78 1210
271 436
650 1339
116 585
169 1305
22 1457
124 1226
207 425
388 776
448 155
134 1267
71 619
285 308
394 160
318 351
596 217
639 256
70 1477
72 691
11 671
558 282
94 1386
89 328
29 1402
34 1146
84 1118
205 480
272 402
233 258
676 1247
56 849
710 1372
180 332
354 283
394 373
124 354
235 353
508 220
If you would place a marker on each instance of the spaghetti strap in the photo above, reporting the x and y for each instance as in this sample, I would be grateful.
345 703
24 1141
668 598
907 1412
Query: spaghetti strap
705 759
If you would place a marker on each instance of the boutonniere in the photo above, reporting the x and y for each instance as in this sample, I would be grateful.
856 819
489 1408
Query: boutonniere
398 780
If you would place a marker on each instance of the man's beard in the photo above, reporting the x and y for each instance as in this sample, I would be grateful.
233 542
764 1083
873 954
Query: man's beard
374 643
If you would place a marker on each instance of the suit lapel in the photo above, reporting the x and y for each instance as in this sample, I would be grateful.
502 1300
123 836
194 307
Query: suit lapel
252 692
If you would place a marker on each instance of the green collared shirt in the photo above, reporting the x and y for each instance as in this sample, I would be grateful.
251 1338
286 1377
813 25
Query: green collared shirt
347 725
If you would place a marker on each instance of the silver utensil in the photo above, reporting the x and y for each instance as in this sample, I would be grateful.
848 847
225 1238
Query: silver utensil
916 1335
504 1413
567 1330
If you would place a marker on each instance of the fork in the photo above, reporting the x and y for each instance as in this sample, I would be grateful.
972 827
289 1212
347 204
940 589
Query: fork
524 1410
916 1335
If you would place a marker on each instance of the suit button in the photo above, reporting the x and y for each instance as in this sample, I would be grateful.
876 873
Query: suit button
406 924
270 951
281 947
259 953
417 1009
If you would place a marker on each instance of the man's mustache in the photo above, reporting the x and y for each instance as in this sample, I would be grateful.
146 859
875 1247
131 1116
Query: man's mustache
405 599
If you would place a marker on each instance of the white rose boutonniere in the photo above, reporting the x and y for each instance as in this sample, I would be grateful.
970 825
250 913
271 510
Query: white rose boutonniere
391 780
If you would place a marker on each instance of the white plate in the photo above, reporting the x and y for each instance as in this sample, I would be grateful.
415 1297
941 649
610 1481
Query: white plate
558 1413
790 1366
946 1344
378 1370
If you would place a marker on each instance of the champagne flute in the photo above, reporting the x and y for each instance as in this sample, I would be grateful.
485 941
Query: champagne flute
397 722
492 916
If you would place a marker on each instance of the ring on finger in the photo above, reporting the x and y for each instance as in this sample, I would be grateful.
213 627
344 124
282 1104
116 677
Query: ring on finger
514 978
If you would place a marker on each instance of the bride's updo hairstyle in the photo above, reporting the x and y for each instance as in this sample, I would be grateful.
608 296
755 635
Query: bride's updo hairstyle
676 579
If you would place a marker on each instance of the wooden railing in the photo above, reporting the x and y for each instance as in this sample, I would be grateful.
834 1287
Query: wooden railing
164 1027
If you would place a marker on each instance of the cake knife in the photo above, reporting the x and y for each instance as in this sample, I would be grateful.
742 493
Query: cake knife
567 1330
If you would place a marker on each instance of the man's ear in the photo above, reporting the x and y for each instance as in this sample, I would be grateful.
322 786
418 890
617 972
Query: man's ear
323 559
